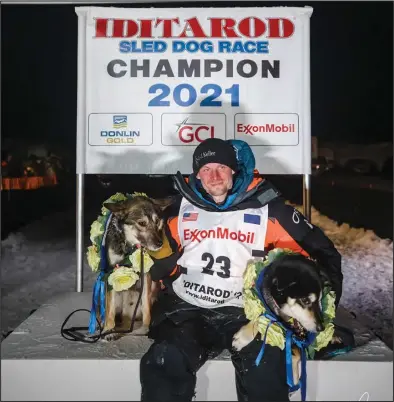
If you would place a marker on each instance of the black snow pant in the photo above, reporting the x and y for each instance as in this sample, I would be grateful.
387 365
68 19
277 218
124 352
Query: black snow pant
180 348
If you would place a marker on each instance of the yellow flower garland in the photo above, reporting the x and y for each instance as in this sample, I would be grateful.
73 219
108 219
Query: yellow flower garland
122 278
254 308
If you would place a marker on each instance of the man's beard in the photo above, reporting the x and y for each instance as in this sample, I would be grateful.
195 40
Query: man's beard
219 190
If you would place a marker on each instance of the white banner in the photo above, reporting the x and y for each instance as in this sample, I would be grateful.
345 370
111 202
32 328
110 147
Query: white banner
153 83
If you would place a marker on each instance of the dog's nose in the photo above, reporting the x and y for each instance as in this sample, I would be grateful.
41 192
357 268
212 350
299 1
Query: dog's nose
319 327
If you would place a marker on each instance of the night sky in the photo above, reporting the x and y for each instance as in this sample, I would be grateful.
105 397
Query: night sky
351 70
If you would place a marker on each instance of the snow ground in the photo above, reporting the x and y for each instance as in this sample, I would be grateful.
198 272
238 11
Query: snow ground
38 262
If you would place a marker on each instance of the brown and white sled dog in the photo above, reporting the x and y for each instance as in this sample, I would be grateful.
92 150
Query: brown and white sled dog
292 288
136 221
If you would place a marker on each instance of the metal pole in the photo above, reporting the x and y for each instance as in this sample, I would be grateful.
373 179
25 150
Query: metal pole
307 196
80 243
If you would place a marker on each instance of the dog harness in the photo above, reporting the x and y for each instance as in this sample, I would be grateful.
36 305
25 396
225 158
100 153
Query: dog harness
216 246
290 339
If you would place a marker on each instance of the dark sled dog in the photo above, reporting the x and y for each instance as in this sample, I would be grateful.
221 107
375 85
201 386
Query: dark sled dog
292 288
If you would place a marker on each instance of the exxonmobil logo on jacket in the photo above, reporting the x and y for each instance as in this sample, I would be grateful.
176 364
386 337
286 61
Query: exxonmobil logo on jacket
197 235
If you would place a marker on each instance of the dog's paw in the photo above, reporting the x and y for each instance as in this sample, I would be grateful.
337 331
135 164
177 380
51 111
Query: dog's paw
142 330
240 341
336 340
243 337
111 337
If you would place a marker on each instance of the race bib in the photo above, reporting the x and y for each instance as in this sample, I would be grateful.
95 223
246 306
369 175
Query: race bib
217 247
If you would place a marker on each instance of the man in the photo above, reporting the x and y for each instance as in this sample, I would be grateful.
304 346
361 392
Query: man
227 215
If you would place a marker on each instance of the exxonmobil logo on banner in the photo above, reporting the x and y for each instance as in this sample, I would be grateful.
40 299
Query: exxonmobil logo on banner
273 129
253 129
249 27
191 129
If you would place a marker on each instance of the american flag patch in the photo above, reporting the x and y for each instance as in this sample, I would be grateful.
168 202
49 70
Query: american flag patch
249 218
189 216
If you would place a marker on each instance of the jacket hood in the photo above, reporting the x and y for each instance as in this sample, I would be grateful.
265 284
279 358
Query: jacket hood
247 182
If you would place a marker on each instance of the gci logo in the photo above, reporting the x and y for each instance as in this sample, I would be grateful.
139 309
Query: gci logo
188 132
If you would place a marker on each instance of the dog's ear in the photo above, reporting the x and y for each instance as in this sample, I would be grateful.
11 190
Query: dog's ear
163 203
324 277
116 206
281 287
275 282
